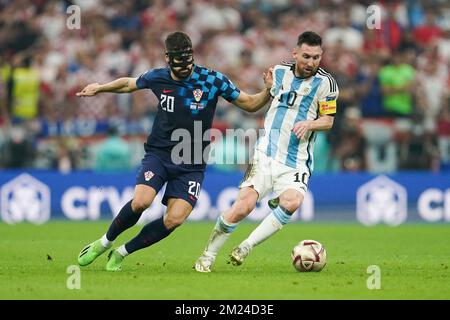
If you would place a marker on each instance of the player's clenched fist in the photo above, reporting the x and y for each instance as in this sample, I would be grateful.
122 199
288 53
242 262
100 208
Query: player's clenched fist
301 128
89 90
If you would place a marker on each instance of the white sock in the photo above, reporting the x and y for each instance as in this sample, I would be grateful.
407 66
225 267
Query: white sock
105 242
269 226
122 251
221 232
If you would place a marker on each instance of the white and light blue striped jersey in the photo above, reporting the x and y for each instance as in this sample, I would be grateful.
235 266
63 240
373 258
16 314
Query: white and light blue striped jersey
296 99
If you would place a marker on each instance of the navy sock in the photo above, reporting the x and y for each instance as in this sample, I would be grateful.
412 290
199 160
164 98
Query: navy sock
124 220
150 234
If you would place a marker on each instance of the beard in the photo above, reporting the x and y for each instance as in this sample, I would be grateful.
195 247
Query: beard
307 73
182 73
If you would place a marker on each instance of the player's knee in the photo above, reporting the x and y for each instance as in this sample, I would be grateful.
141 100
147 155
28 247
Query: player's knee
139 205
172 222
290 202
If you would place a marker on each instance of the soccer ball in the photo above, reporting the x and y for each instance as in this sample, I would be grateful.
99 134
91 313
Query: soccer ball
309 255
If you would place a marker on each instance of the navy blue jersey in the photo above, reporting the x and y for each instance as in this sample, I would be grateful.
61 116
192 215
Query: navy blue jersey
181 104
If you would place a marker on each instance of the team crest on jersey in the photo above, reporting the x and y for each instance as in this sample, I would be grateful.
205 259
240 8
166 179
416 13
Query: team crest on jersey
304 91
197 94
148 175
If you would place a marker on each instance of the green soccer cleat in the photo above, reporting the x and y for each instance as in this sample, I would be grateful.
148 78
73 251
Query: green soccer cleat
91 252
273 203
114 261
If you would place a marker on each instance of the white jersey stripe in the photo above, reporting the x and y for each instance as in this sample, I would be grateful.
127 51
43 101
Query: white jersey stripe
283 107
277 120
305 104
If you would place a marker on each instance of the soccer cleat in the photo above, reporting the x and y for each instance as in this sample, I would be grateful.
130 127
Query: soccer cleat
273 203
91 252
203 264
239 253
114 261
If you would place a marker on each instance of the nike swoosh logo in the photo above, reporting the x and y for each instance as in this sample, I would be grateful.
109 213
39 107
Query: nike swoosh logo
167 91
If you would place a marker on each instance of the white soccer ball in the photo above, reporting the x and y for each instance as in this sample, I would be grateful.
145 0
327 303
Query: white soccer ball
309 255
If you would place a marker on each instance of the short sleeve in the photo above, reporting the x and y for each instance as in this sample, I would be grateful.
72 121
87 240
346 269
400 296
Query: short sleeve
328 97
227 89
146 80
278 76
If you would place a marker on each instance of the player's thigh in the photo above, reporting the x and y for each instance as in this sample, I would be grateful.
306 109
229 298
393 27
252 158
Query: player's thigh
177 212
149 180
258 175
290 186
185 186
244 204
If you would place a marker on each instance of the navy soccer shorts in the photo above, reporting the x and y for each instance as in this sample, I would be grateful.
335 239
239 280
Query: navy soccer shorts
182 183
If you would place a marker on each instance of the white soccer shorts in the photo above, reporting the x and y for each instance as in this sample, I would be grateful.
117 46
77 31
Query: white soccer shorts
267 175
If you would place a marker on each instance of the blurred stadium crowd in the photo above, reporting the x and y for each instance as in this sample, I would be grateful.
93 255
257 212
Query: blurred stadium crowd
393 109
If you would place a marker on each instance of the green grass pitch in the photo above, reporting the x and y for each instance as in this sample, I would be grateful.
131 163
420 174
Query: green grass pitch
413 259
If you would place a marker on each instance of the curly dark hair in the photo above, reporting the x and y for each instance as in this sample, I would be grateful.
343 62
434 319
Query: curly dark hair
178 41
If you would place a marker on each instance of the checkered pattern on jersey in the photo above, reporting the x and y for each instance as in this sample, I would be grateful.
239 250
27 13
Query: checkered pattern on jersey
211 83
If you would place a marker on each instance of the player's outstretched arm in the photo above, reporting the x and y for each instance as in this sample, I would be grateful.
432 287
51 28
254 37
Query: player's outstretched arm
254 102
121 85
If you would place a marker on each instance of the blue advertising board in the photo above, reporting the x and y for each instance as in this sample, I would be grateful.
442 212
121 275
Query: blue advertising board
37 196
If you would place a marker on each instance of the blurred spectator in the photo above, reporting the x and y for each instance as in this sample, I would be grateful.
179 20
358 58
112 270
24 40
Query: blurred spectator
390 31
443 133
397 80
22 88
443 46
381 147
415 12
18 149
369 89
323 161
426 33
65 160
43 63
431 92
4 114
113 154
343 32
375 43
351 148
418 147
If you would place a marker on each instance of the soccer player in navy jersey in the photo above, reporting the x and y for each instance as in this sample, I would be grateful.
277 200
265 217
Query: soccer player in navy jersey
188 95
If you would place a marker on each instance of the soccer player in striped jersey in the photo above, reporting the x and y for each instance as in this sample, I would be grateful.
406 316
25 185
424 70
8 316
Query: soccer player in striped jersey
304 101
